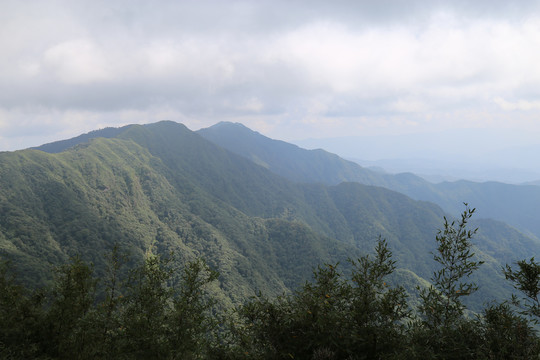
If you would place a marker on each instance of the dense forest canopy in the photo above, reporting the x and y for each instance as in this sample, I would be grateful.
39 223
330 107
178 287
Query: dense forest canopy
159 311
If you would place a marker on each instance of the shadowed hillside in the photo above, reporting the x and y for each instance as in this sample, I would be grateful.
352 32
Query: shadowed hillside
517 205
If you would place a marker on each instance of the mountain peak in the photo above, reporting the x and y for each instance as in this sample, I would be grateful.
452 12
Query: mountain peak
62 145
230 127
108 132
229 124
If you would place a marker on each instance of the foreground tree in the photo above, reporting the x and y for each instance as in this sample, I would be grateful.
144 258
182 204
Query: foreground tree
152 315
70 316
332 317
527 280
163 312
506 335
444 330
21 317
163 320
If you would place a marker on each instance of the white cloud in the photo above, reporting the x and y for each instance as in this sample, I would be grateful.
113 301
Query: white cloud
252 104
517 105
79 61
445 58
409 106
361 65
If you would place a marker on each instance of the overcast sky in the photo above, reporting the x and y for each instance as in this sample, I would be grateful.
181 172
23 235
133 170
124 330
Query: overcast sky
289 69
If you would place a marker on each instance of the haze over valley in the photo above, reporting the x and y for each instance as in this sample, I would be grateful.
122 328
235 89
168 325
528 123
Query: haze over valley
471 154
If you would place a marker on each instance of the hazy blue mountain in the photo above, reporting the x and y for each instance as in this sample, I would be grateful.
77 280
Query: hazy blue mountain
536 183
161 187
434 170
472 154
517 205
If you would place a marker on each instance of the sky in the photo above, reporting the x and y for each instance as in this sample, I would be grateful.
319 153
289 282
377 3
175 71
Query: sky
289 69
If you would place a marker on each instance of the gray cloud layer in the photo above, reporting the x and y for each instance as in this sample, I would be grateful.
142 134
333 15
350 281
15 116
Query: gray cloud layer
291 69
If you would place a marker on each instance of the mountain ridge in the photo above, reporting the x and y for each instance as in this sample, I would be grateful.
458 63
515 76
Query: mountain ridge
518 205
161 187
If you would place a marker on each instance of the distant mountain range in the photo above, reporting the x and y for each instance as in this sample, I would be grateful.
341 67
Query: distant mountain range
434 170
262 212
508 156
517 205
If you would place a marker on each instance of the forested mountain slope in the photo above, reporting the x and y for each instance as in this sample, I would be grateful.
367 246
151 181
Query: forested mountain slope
288 160
162 187
113 191
517 205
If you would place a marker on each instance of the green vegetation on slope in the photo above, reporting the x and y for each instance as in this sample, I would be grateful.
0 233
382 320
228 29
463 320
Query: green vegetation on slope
162 312
517 205
112 191
161 187
286 159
